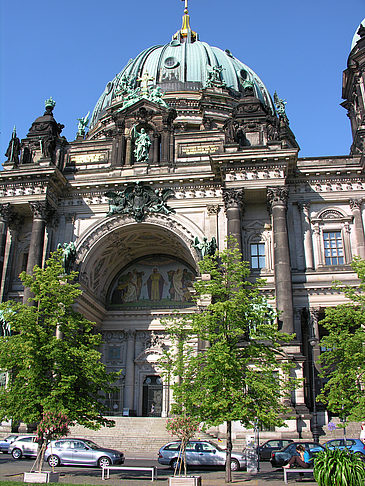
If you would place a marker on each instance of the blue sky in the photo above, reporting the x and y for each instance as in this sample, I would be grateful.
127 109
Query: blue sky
70 50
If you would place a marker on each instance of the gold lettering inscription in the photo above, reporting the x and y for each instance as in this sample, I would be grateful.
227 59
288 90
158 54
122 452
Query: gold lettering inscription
199 149
84 158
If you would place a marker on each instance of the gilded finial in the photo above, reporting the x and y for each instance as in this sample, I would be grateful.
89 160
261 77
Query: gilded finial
185 34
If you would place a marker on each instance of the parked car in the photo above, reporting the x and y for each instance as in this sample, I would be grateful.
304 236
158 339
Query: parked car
270 446
80 452
24 446
280 458
5 443
200 453
354 445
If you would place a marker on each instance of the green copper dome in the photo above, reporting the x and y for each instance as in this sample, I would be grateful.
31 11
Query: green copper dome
184 64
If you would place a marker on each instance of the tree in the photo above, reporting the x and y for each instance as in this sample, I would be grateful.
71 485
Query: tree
343 361
52 356
242 373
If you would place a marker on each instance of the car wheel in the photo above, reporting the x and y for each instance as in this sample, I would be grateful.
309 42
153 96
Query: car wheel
53 461
174 463
104 461
235 465
16 453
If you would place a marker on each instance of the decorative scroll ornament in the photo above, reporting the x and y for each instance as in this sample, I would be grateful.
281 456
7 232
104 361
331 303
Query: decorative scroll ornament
136 200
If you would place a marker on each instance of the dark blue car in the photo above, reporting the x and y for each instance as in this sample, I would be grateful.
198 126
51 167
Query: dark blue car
282 457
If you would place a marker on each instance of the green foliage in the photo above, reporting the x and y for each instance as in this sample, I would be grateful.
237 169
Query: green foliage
343 362
183 427
243 372
338 467
47 373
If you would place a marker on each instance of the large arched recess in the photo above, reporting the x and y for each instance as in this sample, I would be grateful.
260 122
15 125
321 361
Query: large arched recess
113 243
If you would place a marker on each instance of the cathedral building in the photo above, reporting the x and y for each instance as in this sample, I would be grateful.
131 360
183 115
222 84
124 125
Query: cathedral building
185 146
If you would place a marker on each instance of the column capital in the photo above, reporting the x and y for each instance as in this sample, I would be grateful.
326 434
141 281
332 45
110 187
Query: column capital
277 196
213 209
233 198
355 203
6 212
41 210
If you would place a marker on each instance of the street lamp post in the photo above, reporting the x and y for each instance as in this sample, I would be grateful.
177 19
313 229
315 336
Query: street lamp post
313 341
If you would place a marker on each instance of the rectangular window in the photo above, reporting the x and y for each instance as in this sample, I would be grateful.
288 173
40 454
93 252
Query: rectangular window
257 255
333 248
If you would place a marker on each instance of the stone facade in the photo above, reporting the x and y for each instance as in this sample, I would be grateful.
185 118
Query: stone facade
219 162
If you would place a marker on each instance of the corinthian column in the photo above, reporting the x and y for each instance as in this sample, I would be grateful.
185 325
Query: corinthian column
41 211
277 204
5 214
233 204
355 205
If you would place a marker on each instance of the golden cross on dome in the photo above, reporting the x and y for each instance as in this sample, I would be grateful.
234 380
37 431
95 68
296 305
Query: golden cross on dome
186 6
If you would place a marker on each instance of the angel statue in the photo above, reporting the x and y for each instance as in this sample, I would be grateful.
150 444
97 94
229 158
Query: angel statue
206 247
83 123
69 255
142 144
5 329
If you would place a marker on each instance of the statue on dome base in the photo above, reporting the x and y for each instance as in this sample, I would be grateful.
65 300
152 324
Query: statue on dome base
142 144
13 150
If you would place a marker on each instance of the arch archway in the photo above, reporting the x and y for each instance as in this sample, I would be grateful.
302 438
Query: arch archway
113 252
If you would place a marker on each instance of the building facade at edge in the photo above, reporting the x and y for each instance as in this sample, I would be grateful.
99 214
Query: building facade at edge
186 146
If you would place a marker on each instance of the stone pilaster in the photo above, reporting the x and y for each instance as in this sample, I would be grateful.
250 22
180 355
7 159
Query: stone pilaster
234 204
307 233
277 198
14 223
213 211
355 205
128 151
156 148
129 371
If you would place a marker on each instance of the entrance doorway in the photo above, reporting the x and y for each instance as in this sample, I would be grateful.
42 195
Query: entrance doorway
152 396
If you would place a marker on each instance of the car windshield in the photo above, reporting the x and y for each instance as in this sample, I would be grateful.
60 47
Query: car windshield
92 444
216 446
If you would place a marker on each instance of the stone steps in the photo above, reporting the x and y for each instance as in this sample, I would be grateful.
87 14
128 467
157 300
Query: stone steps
132 434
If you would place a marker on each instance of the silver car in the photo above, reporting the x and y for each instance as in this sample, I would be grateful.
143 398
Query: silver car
25 446
81 452
5 443
200 453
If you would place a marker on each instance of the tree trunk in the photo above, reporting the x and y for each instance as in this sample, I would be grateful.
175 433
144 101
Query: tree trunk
229 450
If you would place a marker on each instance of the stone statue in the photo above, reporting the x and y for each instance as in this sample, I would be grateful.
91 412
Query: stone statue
4 326
13 150
83 123
69 255
138 199
280 107
142 144
206 247
214 76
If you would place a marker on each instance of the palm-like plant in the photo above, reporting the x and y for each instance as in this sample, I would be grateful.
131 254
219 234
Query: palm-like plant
338 467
